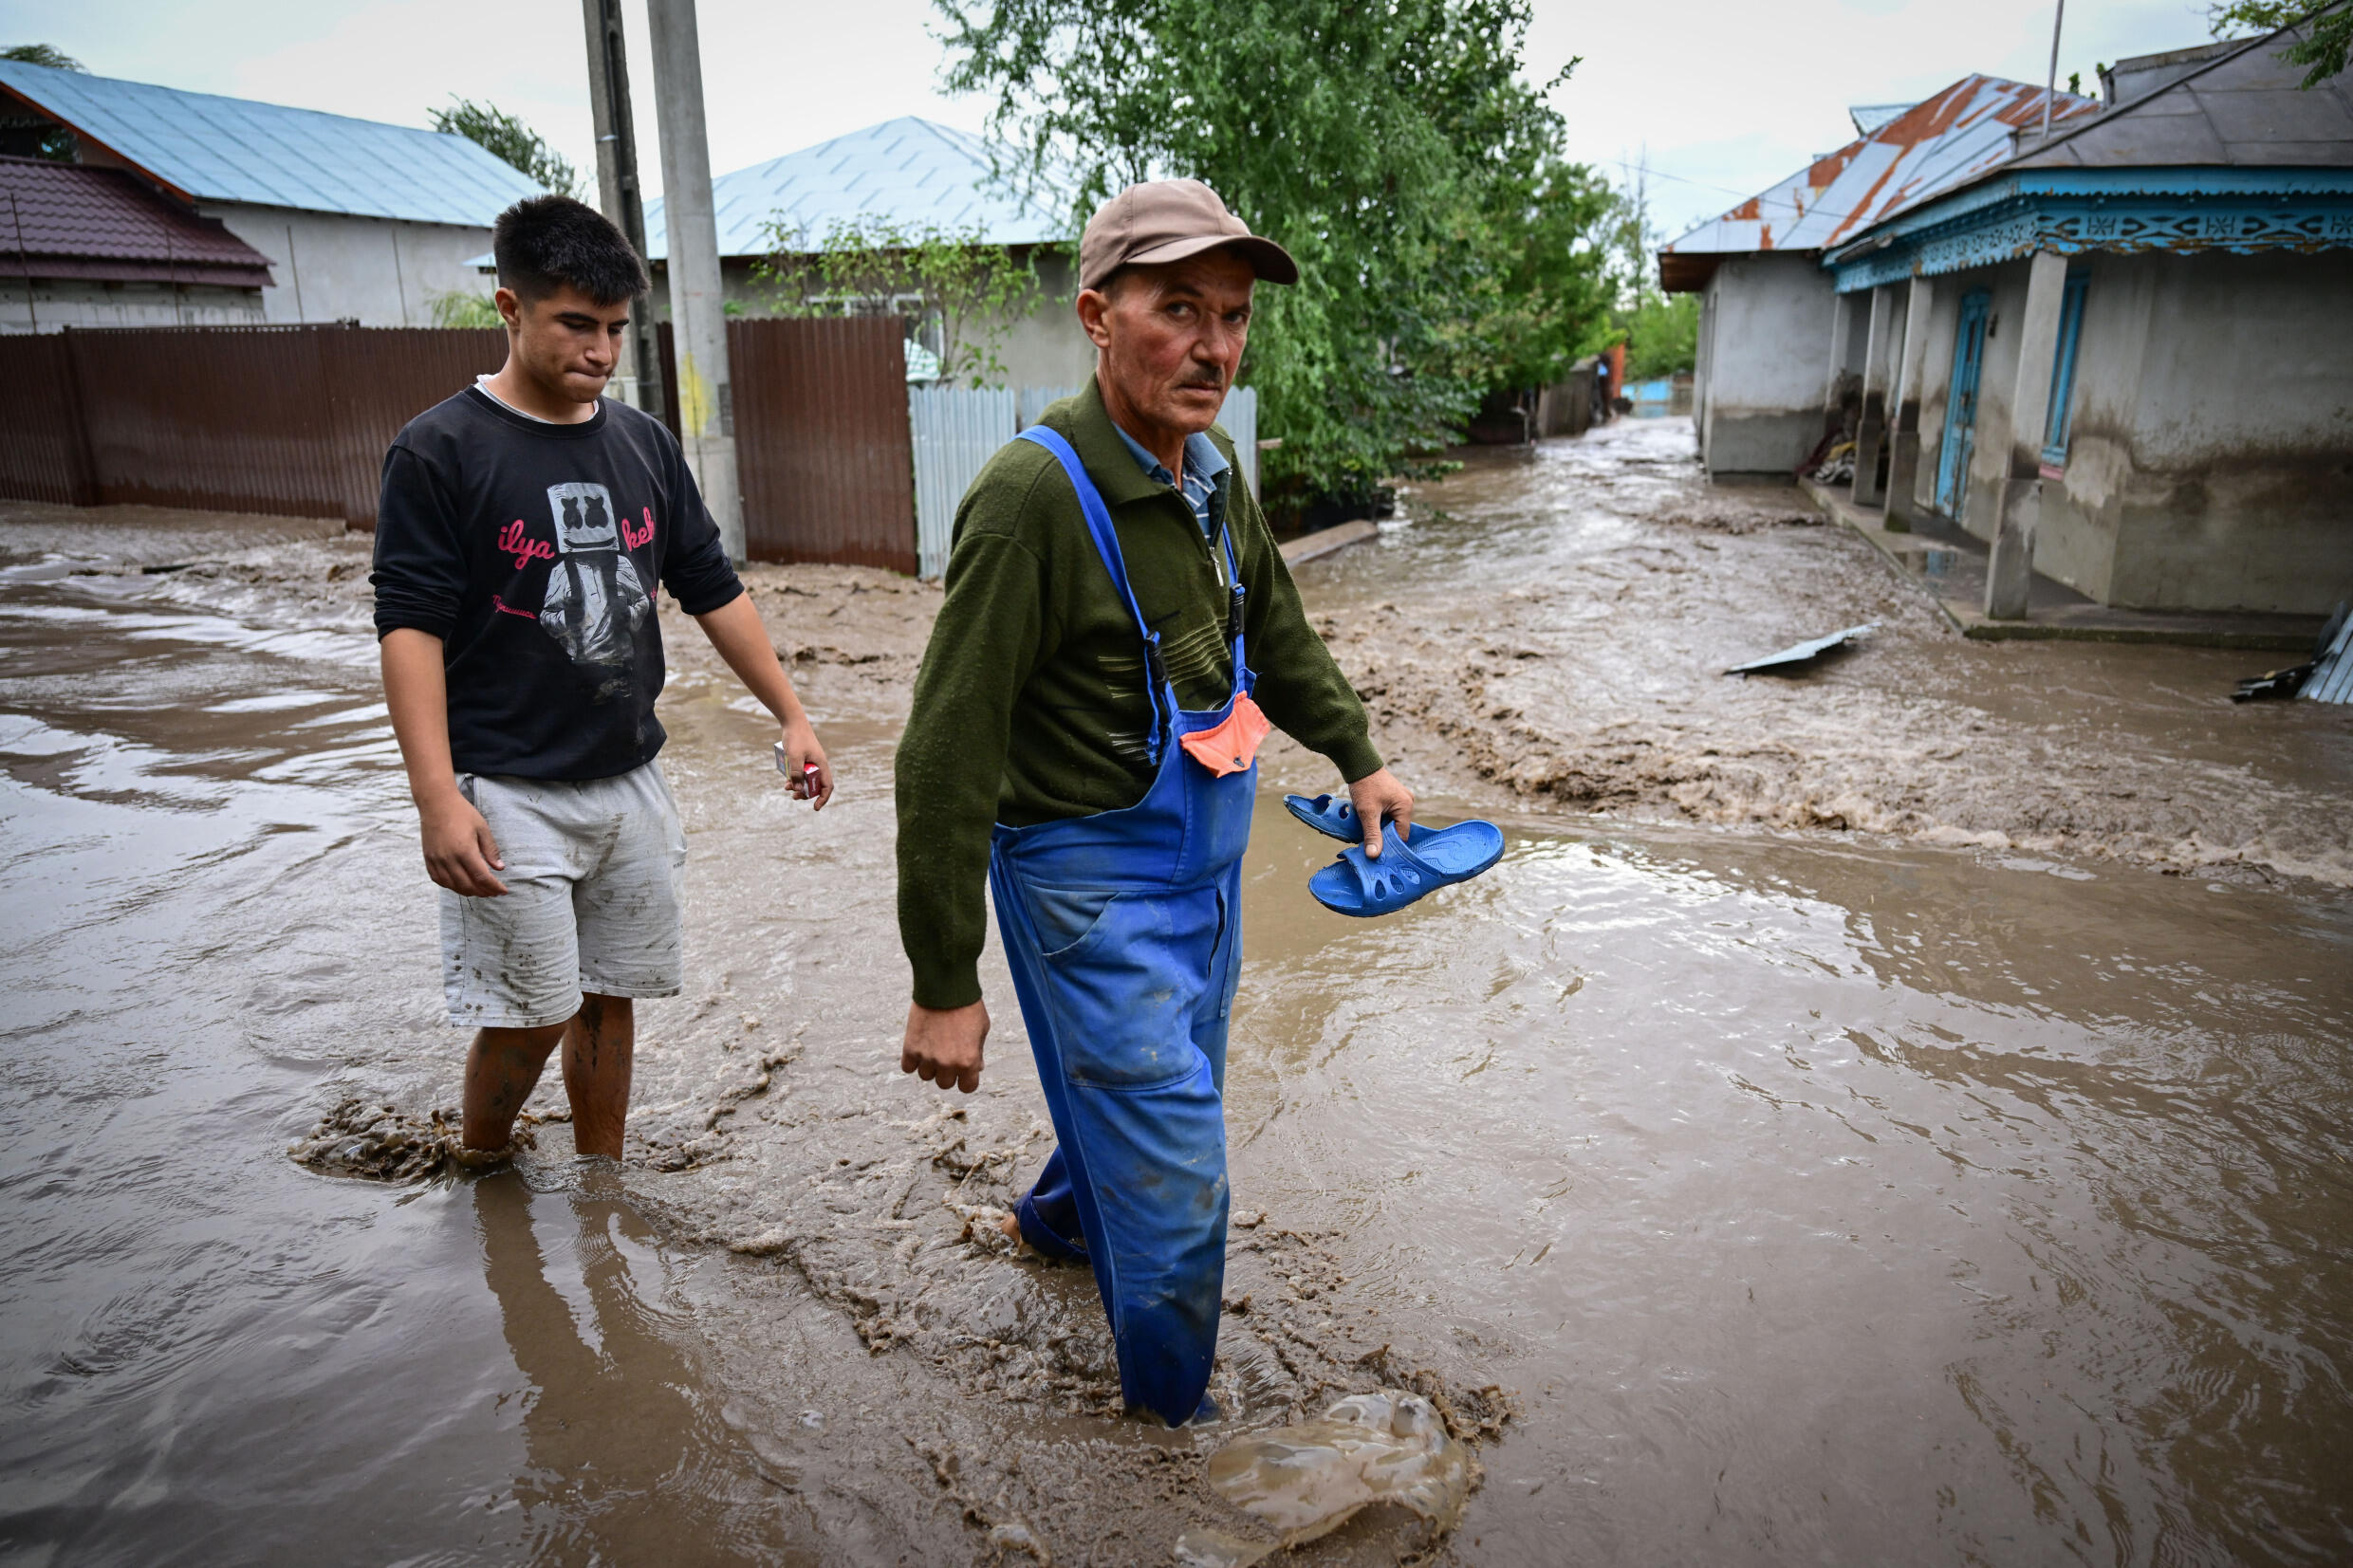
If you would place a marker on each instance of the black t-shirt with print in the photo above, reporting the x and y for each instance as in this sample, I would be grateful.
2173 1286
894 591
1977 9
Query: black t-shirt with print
531 550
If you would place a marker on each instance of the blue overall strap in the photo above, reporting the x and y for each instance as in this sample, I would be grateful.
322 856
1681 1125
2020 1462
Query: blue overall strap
1107 546
1234 606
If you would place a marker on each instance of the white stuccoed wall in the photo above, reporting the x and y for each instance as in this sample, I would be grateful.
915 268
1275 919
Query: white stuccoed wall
59 302
1767 332
2212 429
332 265
2213 439
1044 346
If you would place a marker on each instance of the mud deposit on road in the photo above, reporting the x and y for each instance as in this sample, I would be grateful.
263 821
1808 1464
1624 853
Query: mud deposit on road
1761 1173
1558 625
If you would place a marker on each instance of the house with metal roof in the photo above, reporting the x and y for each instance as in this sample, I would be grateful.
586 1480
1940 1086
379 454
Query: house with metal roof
356 219
1764 373
912 174
2121 356
87 246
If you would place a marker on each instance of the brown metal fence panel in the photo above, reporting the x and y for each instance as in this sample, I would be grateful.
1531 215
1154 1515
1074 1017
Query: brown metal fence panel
232 418
295 422
287 420
377 379
823 448
41 453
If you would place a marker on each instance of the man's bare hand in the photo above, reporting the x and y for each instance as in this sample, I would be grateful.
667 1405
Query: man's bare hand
1379 797
943 1045
801 749
460 854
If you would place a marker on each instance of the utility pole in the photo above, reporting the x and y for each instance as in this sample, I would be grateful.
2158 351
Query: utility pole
697 314
2050 88
619 191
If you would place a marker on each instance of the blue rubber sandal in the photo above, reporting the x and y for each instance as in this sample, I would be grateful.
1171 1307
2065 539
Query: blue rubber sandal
1333 819
1437 857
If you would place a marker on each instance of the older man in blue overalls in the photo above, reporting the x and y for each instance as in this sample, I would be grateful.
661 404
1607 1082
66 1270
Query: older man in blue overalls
1119 634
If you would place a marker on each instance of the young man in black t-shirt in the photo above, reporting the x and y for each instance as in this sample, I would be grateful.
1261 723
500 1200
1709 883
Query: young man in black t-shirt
523 527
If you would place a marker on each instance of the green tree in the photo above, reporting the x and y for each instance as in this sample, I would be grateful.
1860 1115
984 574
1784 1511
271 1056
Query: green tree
1384 146
1546 301
1660 330
961 294
1662 336
42 54
511 141
2328 37
37 135
455 307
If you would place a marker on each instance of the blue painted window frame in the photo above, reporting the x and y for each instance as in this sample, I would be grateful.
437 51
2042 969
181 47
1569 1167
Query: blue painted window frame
2058 419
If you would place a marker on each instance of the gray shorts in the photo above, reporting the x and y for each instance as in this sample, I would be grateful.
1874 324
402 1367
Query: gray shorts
595 879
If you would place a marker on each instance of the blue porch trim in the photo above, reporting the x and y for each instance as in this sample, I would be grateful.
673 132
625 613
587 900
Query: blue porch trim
2060 421
2074 211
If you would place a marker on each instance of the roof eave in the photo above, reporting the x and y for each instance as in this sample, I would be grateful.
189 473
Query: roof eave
121 159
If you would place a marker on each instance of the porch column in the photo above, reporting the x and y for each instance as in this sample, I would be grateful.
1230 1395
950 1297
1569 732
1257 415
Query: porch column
1834 385
1872 428
1903 460
2011 568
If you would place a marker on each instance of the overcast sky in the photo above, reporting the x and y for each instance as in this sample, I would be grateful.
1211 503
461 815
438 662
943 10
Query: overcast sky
1723 96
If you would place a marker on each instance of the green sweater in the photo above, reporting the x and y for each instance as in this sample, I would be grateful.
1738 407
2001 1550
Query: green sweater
1031 702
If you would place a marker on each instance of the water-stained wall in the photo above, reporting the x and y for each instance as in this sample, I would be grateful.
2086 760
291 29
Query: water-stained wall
1765 357
2210 462
2210 448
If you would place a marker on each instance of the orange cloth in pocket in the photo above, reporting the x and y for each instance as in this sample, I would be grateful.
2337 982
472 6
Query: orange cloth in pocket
1233 745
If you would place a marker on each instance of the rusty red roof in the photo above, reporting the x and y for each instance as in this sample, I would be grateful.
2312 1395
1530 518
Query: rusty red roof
70 220
1930 147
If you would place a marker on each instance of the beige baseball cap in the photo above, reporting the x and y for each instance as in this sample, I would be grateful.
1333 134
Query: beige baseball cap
1166 220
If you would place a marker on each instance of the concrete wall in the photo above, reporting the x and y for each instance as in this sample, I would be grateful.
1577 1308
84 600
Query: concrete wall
2210 458
1997 382
1042 348
1935 388
2209 464
330 267
1766 322
1703 358
59 303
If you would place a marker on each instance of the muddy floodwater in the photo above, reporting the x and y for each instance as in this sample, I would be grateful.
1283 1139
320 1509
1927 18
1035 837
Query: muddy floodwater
1903 1112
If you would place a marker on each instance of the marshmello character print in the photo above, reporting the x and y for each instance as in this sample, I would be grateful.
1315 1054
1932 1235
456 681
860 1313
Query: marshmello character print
595 600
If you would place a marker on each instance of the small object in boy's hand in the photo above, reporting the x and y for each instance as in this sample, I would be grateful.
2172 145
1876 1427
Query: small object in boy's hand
803 788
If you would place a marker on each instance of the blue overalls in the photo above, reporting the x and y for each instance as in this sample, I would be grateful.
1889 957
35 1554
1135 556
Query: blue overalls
1122 931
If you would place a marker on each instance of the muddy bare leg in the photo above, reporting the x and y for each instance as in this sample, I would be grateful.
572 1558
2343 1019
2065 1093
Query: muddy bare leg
599 1047
501 1069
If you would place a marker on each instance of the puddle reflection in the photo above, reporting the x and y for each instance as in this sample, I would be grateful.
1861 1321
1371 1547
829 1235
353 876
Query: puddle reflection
629 1457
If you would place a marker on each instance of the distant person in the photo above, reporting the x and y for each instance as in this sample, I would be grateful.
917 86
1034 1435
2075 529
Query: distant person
1084 742
523 527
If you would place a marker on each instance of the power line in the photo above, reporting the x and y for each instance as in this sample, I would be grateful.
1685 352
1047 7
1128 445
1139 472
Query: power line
1761 197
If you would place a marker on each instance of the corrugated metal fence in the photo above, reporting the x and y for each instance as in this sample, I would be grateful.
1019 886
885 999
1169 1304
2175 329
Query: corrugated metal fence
44 455
289 420
957 430
823 448
295 421
840 460
1240 417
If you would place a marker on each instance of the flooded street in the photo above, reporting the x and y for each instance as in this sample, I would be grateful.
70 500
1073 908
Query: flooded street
1897 1113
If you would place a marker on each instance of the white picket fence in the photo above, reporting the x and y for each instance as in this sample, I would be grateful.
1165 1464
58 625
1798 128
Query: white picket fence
957 430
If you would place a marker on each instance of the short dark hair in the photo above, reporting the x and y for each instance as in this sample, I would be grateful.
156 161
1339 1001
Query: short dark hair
543 242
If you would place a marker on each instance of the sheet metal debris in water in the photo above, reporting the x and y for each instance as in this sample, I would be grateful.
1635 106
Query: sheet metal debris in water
2331 679
2326 676
1801 653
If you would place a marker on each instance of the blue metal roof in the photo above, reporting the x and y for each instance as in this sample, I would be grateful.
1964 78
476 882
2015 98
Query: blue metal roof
233 149
909 171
